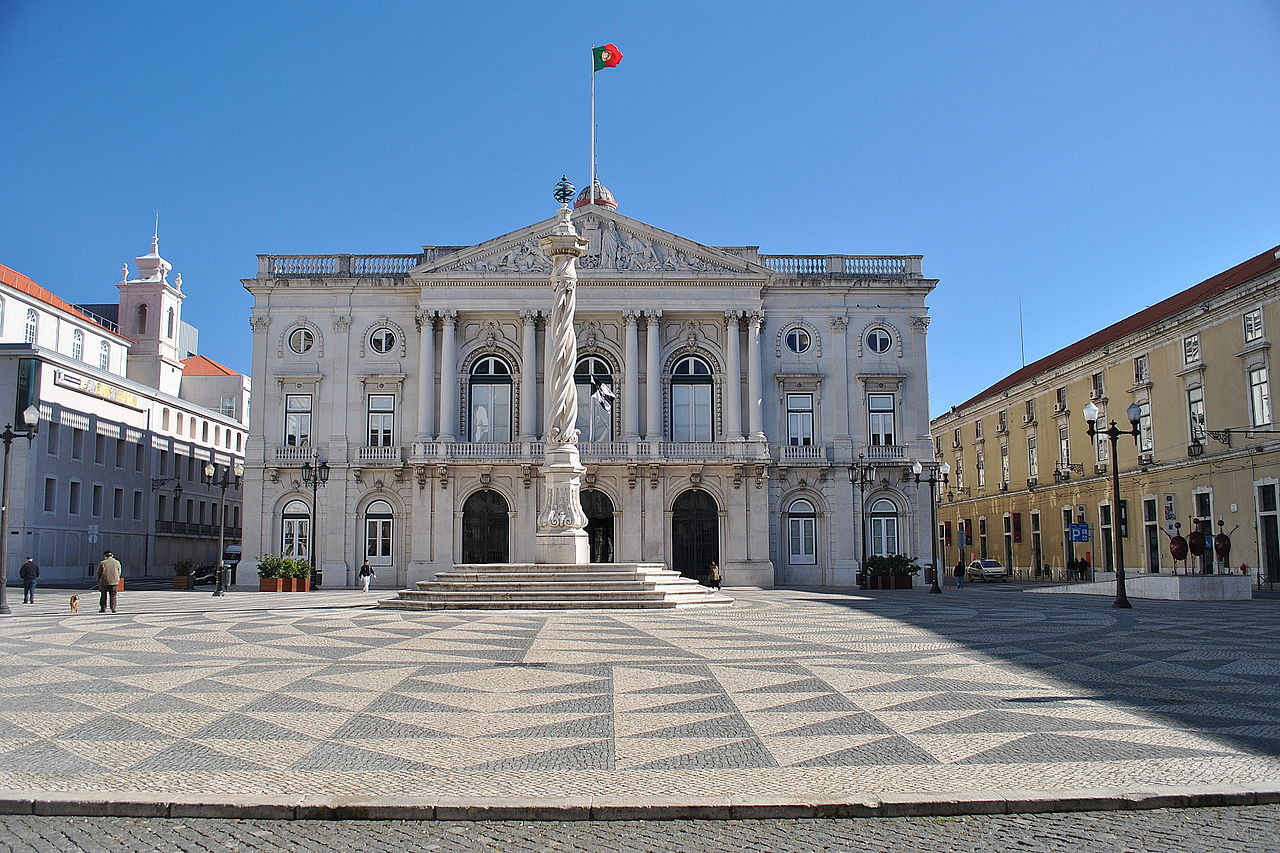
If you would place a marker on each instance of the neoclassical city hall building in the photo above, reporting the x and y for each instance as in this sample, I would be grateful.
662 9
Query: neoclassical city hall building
760 411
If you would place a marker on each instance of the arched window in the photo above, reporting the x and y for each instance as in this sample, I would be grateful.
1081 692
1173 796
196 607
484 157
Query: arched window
164 419
204 431
1 318
77 345
140 325
32 330
104 355
168 325
884 528
802 533
594 382
295 531
491 400
691 400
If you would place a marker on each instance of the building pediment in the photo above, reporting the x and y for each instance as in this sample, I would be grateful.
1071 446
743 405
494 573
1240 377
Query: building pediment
618 247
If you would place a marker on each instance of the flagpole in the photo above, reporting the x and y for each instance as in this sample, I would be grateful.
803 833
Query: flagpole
593 126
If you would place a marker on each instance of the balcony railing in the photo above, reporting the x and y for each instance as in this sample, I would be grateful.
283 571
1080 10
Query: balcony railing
802 453
846 266
295 454
615 451
187 528
381 454
336 266
882 453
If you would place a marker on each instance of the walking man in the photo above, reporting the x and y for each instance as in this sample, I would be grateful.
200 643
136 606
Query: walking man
29 572
959 573
366 575
108 581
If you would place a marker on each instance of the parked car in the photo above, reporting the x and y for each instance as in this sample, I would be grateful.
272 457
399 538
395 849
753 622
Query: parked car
987 570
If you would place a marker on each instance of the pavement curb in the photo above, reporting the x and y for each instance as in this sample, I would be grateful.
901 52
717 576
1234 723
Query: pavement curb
896 804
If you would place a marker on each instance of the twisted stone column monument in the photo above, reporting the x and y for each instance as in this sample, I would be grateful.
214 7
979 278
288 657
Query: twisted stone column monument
560 538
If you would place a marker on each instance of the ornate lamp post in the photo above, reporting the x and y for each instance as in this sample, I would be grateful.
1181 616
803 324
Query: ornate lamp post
228 478
1114 432
933 480
863 474
315 476
31 418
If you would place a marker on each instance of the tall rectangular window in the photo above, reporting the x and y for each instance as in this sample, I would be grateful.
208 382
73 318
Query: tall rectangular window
120 451
1002 420
1064 446
977 429
691 412
95 507
1195 415
1146 438
1032 465
1004 463
1259 397
1253 326
982 469
800 419
881 413
137 505
52 437
1191 349
1141 370
1101 445
77 443
100 449
50 494
297 420
1060 399
1030 414
117 503
959 471
1099 389
73 498
382 409
227 406
1151 533
138 456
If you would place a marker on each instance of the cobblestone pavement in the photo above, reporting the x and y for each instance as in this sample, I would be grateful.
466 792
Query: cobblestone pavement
788 693
1162 831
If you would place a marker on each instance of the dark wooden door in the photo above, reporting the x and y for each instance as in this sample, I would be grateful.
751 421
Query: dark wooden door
485 528
695 534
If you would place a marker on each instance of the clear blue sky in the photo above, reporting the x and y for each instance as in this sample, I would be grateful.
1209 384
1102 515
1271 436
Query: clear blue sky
1090 157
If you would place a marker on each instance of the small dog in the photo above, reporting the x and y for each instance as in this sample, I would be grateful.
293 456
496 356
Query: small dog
75 604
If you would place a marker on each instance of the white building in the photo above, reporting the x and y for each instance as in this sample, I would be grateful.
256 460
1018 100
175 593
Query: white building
128 422
747 387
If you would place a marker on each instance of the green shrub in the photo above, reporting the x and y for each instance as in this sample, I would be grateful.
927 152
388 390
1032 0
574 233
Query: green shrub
183 568
898 564
272 566
297 569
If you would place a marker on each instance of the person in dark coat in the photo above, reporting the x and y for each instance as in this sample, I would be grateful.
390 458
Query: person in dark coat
959 573
29 572
366 575
713 575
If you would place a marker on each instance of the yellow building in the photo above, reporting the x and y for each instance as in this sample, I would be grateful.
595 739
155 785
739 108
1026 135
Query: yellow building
1206 455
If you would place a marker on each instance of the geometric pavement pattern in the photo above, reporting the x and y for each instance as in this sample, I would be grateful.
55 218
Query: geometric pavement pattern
797 691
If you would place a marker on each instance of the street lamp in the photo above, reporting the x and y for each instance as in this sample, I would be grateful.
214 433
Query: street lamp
30 417
1114 432
230 477
933 480
863 474
315 476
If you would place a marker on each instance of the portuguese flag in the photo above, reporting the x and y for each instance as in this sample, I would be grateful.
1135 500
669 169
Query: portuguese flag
607 56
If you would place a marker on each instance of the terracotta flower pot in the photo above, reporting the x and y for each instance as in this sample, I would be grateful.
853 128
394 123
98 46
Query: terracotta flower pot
271 584
183 582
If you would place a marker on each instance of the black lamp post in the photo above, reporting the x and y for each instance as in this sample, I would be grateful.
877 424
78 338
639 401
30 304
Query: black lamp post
228 478
31 418
863 474
315 476
933 480
1114 432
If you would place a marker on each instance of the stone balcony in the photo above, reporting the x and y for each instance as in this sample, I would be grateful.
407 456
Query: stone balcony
526 452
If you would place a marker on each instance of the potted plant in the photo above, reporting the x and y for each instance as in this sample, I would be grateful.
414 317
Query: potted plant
300 576
182 570
271 573
891 572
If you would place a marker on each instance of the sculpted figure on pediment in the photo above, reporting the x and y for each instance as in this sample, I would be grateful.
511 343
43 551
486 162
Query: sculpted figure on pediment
524 257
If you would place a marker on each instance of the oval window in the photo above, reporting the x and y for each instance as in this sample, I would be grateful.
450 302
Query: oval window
382 340
798 341
878 340
301 340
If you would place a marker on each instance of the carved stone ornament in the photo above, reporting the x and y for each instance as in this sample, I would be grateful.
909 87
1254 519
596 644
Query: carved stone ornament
920 324
625 250
840 323
522 257
342 322
258 323
424 319
589 337
491 331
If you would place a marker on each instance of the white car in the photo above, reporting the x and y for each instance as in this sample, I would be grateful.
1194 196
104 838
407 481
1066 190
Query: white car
987 570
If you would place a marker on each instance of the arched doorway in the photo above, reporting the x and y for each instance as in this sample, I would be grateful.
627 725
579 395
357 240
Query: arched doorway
599 512
695 534
295 530
485 528
377 536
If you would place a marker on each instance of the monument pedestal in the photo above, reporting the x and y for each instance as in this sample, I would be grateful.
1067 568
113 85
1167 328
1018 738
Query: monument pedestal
561 539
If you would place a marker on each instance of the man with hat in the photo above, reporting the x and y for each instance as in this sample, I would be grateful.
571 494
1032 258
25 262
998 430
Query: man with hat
108 581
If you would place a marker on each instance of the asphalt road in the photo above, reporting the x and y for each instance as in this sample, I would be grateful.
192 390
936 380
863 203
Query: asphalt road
1253 828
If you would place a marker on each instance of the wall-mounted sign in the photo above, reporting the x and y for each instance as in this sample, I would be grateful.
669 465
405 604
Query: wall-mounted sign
94 388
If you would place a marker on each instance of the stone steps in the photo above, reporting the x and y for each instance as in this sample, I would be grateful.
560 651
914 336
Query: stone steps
517 586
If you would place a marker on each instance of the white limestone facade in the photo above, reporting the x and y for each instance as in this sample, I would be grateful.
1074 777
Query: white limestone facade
741 427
